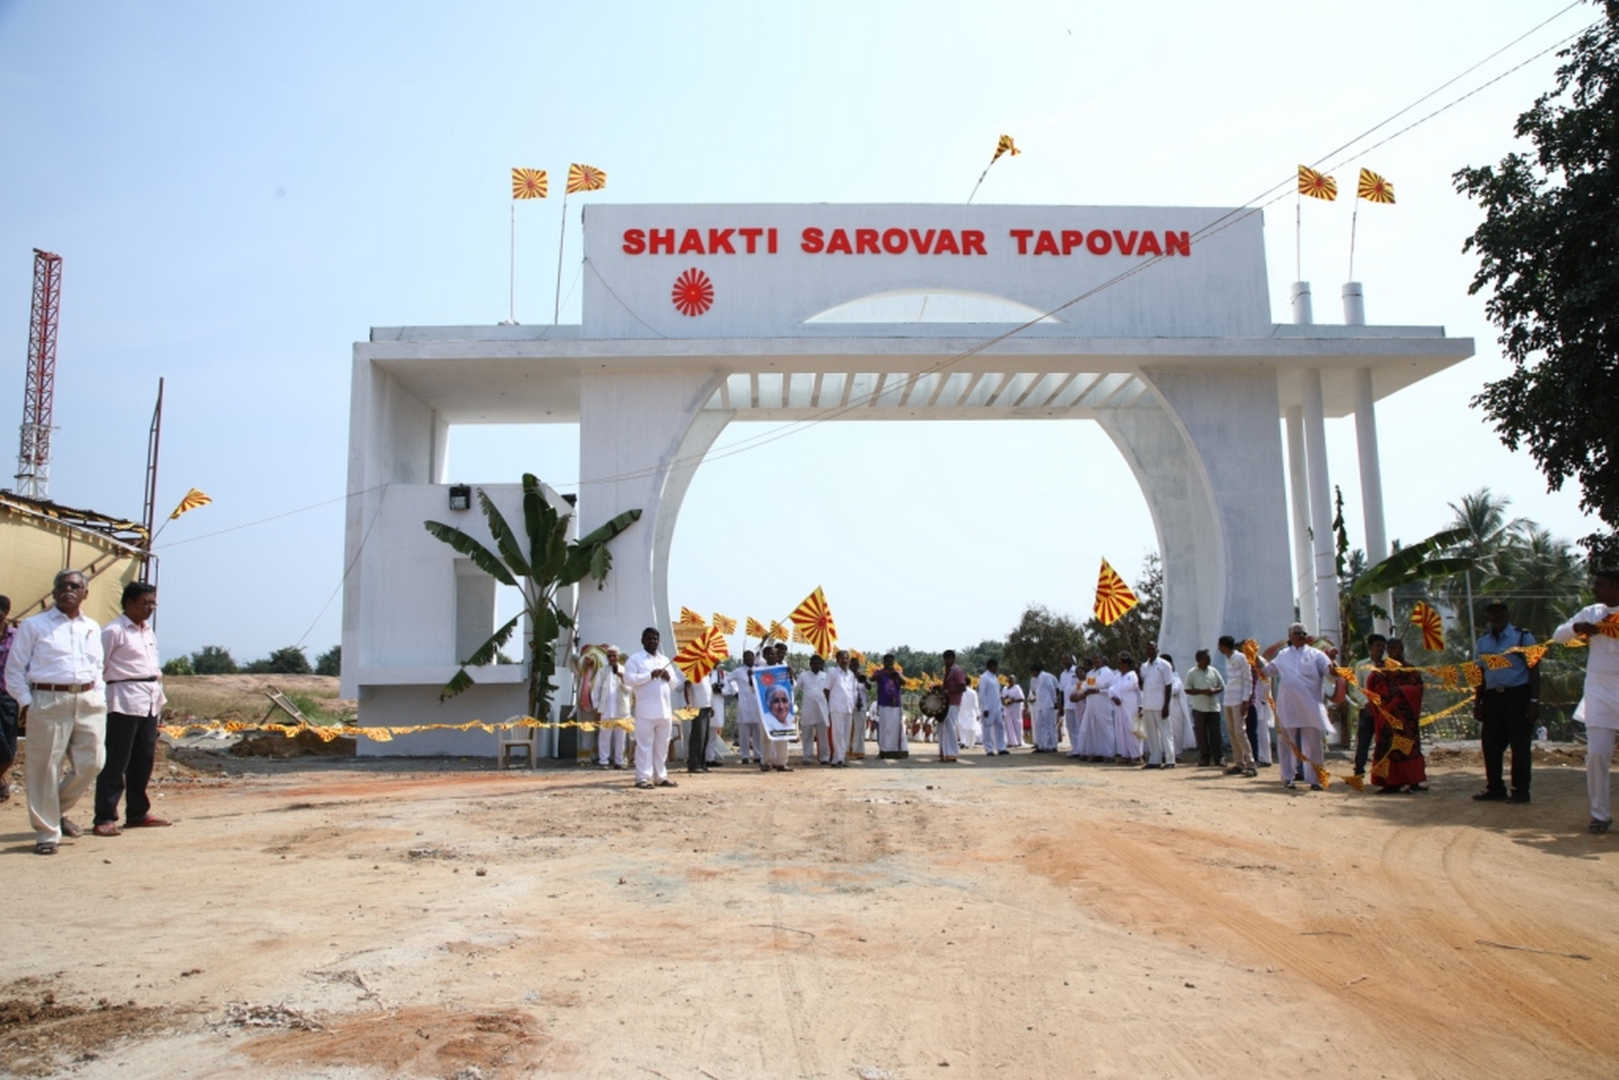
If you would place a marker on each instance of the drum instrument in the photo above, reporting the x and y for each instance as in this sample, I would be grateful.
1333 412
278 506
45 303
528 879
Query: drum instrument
933 704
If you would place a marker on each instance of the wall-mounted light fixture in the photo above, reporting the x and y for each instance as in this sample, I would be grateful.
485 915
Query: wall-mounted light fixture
460 497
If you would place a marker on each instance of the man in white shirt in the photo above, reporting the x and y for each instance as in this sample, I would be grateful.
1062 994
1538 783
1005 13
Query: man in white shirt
1239 692
650 677
1012 699
1299 672
613 706
699 696
1073 704
55 672
716 726
1157 681
749 723
814 714
1264 719
857 722
134 679
1096 727
1183 734
1601 701
1043 688
989 700
842 690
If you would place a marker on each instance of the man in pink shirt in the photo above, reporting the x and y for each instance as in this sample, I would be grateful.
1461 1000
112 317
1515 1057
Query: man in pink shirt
135 702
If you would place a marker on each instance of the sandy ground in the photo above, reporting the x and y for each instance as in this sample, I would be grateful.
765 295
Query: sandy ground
1015 917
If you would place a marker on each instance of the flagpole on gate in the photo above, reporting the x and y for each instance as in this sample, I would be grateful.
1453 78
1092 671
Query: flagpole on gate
511 274
1353 220
1298 228
562 233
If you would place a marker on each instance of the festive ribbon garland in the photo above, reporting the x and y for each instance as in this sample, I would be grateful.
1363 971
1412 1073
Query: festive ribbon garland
381 733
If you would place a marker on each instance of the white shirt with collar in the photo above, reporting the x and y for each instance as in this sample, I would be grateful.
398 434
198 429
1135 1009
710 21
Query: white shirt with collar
815 685
51 648
1156 677
130 652
989 695
609 694
1045 691
1239 679
651 694
844 687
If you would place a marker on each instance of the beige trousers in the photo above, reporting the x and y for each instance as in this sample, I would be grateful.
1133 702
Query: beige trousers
66 749
1236 729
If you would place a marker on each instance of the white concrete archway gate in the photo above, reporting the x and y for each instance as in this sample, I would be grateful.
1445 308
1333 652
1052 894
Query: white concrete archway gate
697 315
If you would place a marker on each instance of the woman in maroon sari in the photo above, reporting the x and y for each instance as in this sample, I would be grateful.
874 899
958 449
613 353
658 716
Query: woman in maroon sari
1397 756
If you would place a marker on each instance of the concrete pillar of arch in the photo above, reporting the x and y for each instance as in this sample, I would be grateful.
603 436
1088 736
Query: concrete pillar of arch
1176 489
1229 505
640 436
705 428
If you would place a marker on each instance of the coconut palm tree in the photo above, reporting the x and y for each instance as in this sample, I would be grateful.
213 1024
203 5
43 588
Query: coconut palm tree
546 565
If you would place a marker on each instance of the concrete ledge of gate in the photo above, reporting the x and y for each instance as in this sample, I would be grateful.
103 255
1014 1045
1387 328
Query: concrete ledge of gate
439 674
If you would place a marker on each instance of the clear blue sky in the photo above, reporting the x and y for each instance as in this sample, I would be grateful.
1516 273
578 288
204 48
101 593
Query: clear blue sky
240 191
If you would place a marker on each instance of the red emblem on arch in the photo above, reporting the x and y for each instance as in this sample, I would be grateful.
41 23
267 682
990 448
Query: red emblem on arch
693 293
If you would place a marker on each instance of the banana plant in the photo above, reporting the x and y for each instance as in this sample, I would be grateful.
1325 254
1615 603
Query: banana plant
547 564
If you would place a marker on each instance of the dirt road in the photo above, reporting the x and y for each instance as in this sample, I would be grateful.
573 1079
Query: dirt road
1020 917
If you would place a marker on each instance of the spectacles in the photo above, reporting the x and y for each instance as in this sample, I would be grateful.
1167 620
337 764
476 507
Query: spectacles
71 586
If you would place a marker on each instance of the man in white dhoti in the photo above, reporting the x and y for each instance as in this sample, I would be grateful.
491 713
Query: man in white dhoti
814 716
613 703
650 676
1239 692
1157 679
1097 725
750 731
715 753
968 720
857 722
955 683
1265 718
1300 674
1073 704
1012 699
1045 691
1180 714
1125 693
892 741
989 700
1601 702
842 688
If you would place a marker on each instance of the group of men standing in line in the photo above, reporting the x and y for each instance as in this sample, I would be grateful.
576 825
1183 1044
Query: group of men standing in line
90 698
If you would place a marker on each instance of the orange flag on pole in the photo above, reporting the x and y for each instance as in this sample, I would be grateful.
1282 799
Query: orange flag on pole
1433 627
1113 596
813 618
585 178
530 184
1317 185
1374 188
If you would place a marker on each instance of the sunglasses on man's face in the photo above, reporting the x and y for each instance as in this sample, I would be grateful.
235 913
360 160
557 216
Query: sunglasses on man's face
71 586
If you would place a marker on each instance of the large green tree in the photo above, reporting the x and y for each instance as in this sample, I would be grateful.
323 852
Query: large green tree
540 568
1546 255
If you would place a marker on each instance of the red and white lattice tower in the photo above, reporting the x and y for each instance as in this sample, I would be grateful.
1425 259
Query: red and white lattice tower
39 388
